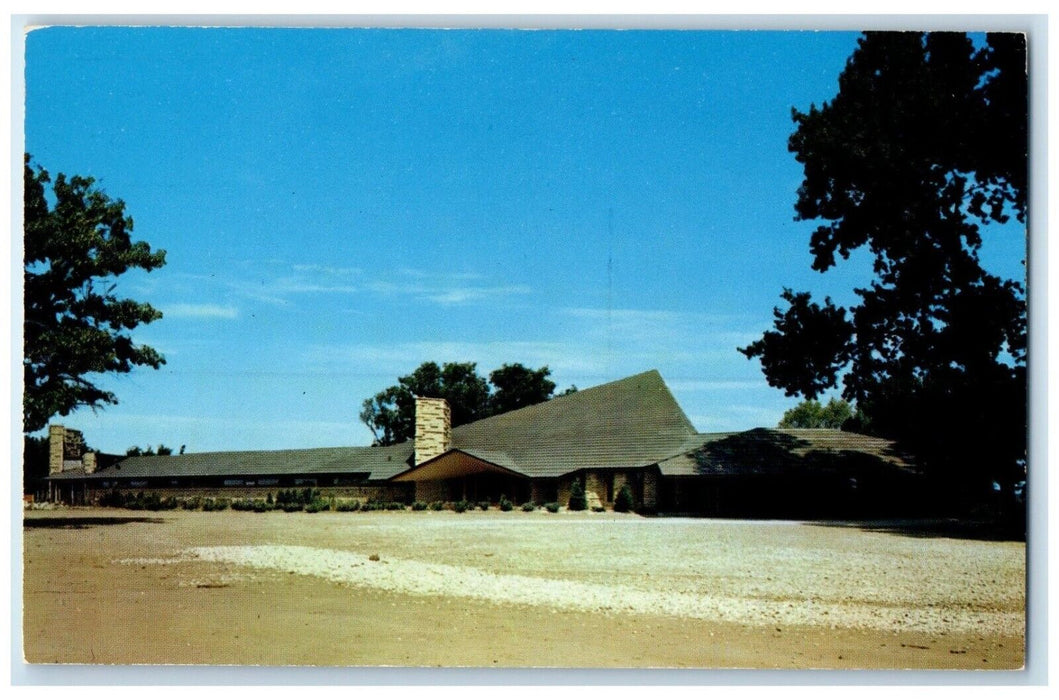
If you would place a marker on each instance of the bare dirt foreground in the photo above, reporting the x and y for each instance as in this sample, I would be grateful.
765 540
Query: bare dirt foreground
511 589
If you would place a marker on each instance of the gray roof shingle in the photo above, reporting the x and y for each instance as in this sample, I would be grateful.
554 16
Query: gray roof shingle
771 451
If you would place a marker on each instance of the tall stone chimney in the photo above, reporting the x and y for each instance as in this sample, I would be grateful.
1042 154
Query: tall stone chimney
56 449
65 445
433 428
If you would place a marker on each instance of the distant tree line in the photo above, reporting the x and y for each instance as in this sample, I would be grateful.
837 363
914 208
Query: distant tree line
836 414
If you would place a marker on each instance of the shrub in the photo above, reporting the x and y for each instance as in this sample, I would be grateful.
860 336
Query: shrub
211 504
483 505
317 506
152 502
528 507
395 505
193 503
268 499
263 506
598 509
623 502
112 499
419 505
437 505
460 506
505 504
292 507
347 506
578 501
243 504
552 507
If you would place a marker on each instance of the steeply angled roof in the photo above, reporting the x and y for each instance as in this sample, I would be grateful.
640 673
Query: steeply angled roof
631 422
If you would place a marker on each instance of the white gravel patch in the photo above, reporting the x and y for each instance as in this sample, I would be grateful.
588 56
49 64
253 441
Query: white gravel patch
423 578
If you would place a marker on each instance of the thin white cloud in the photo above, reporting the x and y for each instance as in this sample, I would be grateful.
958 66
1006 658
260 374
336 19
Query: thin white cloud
206 311
462 295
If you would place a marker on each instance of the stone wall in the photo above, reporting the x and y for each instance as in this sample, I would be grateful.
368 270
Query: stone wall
650 490
387 492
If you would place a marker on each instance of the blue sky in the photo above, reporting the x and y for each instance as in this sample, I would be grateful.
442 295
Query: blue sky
338 206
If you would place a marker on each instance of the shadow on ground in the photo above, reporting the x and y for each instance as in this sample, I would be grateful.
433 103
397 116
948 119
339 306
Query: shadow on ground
985 530
86 522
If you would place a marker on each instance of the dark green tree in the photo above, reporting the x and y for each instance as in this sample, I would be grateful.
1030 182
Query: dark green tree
75 326
578 499
810 413
624 502
390 414
923 146
517 386
34 462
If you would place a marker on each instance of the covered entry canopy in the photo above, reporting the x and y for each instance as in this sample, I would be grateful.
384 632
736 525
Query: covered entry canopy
475 476
460 463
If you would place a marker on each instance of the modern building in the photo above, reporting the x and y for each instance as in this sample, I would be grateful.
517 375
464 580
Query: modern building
628 432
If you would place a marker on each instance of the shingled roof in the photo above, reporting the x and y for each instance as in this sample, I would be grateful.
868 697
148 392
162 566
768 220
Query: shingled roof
628 423
371 462
773 451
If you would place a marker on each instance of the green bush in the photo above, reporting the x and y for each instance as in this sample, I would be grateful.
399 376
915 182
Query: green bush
419 505
578 501
552 507
347 506
623 502
292 507
193 503
483 505
528 507
395 505
437 505
212 504
460 506
506 504
316 506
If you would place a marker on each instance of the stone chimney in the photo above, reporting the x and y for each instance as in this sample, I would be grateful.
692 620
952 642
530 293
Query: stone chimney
66 445
88 460
56 435
433 428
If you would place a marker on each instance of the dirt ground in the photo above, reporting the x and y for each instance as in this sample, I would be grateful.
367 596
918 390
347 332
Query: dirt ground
512 590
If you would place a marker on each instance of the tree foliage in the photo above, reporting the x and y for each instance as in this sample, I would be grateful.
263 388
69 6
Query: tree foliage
75 326
35 454
161 451
835 414
923 146
390 414
517 386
